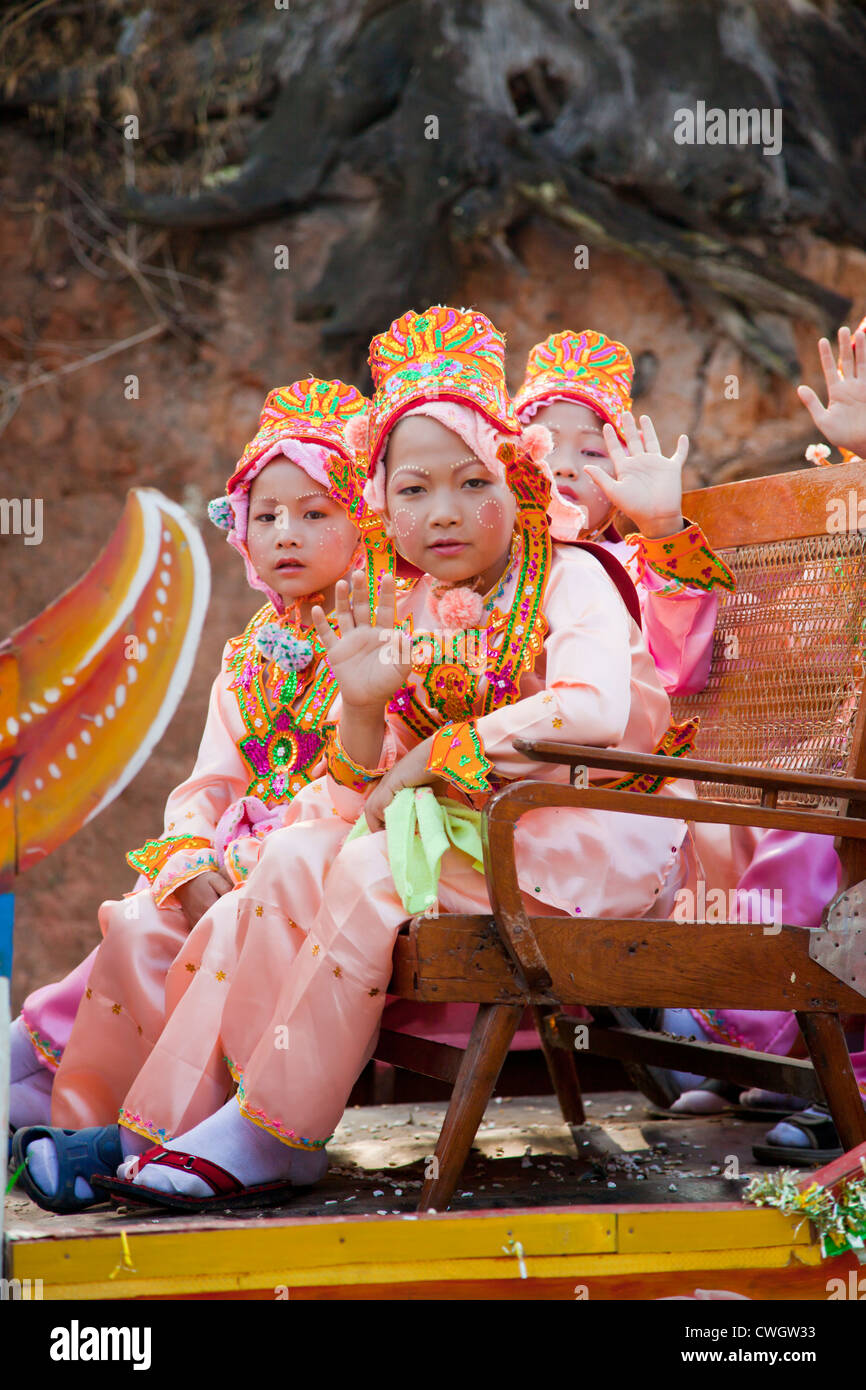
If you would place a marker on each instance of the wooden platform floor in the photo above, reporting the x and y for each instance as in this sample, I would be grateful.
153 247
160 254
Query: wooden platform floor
578 1197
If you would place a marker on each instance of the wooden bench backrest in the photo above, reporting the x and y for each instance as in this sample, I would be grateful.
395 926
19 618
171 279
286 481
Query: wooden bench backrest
787 677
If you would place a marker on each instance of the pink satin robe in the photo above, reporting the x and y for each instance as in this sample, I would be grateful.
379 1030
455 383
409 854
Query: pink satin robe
281 986
121 986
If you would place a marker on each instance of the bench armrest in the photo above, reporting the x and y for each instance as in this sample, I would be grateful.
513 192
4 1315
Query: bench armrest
697 769
506 807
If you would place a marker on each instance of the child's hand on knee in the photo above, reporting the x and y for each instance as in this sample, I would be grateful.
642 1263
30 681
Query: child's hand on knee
410 771
843 419
199 895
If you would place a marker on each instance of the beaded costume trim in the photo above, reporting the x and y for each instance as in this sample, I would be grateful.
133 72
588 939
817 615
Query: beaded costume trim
49 1055
151 858
677 742
258 1117
285 713
685 560
457 753
344 770
514 639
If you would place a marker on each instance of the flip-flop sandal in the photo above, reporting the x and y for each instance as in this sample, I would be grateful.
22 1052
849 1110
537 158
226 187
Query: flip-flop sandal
81 1153
822 1144
730 1094
228 1192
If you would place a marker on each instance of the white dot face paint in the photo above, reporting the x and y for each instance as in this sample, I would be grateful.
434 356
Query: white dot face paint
490 514
405 523
328 537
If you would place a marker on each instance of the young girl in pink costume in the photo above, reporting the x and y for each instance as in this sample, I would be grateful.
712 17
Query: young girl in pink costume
579 386
294 512
304 977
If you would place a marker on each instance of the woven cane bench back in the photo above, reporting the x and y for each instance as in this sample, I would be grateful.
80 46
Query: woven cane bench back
789 654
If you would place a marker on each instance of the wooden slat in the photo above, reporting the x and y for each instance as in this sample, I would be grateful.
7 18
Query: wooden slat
419 1055
741 1065
624 761
621 962
784 506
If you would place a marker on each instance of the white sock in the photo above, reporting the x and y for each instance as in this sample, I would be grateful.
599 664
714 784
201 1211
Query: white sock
697 1102
792 1136
43 1167
22 1054
245 1150
682 1025
30 1099
774 1100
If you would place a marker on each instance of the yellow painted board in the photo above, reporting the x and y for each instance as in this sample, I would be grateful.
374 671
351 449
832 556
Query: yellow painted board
81 1284
686 1229
581 1269
323 1243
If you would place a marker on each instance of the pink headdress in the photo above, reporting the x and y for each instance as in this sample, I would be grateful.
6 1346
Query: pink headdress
584 368
306 424
449 364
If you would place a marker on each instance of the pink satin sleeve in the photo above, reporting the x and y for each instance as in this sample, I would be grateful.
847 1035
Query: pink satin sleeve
677 627
218 778
587 671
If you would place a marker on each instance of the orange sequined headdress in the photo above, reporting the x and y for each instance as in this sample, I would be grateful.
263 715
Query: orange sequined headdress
306 423
586 367
307 412
443 354
450 364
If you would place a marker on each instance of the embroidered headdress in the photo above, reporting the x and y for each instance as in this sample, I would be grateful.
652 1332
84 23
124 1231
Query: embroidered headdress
449 364
306 423
586 367
442 354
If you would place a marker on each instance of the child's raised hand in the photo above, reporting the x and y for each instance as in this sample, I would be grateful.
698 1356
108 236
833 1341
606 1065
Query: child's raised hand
365 657
648 485
843 419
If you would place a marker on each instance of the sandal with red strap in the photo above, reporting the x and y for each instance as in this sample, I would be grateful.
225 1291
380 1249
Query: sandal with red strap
228 1192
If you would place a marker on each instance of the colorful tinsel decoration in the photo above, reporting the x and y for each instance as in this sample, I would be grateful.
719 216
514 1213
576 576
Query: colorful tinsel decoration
839 1219
280 645
221 514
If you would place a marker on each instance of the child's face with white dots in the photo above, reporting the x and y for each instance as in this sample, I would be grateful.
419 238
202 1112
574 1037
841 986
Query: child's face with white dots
446 511
577 440
299 539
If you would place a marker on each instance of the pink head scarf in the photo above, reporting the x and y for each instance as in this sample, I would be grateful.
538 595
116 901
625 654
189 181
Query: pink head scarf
479 435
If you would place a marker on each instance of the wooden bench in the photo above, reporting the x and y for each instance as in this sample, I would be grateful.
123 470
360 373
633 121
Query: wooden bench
781 746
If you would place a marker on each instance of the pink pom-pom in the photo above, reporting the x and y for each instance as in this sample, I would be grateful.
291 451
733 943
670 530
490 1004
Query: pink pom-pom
537 442
355 432
458 609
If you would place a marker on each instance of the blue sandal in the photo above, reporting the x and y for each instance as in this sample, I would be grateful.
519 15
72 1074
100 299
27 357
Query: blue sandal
80 1154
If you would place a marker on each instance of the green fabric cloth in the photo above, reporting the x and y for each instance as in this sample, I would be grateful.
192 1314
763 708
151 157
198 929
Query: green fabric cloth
419 828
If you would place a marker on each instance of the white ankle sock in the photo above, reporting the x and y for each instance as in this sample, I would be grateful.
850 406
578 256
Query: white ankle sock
791 1136
757 1098
682 1025
43 1167
249 1153
22 1053
30 1099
